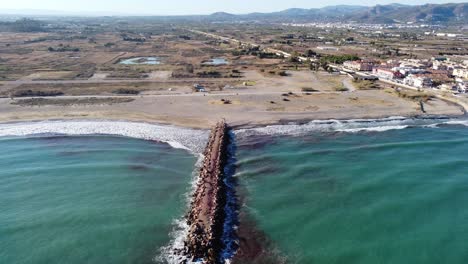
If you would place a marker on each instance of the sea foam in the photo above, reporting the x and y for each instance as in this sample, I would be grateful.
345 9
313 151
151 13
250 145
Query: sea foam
173 252
192 140
350 126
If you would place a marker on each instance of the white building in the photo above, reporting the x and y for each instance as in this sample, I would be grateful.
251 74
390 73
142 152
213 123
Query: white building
414 63
385 73
460 72
408 70
418 81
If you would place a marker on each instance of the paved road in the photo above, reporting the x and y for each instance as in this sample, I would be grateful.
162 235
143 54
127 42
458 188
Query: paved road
250 44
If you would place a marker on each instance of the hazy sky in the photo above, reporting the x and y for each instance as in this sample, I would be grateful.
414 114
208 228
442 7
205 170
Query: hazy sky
177 7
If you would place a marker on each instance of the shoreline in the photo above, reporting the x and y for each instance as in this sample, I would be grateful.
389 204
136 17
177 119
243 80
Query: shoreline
194 139
304 121
236 125
274 101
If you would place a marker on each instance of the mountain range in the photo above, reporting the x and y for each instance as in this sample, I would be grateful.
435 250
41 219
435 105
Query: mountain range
455 13
392 13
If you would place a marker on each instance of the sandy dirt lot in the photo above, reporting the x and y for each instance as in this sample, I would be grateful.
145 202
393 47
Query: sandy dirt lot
199 110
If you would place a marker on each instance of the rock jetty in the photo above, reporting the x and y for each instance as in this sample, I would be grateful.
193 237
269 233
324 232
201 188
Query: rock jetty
206 216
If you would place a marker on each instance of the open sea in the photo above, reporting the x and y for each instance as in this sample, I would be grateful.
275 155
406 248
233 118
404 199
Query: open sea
338 193
397 196
89 199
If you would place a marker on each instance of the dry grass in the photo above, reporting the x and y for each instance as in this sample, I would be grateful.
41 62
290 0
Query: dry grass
365 85
415 96
87 88
70 102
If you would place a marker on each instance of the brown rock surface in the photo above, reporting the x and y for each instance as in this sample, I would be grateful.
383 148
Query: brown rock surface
206 216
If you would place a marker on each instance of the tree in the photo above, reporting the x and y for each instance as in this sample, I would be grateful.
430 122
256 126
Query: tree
189 68
27 25
310 53
324 64
397 51
294 57
314 66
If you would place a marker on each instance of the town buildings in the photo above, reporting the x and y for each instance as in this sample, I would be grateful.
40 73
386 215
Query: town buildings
359 65
438 73
460 72
418 81
386 73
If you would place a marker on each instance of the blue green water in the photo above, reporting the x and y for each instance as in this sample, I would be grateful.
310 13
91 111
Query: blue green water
89 199
398 196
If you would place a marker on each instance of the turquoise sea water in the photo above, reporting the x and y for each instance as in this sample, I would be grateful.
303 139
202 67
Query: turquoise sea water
398 196
89 199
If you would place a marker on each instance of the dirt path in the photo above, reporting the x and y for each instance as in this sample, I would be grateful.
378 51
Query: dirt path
348 84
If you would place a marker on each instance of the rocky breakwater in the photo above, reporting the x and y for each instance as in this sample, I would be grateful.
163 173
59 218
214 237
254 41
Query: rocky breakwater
207 215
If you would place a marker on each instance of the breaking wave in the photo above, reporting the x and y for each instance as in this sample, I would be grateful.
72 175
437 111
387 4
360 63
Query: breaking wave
192 140
350 126
173 253
195 140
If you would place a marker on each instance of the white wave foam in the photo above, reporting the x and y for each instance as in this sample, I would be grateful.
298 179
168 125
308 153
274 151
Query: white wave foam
169 253
432 126
177 137
173 252
457 122
184 138
349 126
372 129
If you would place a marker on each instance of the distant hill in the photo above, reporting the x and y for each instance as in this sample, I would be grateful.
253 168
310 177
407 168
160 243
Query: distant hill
222 15
392 13
430 13
382 14
300 14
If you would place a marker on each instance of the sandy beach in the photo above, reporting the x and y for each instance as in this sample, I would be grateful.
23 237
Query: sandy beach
199 111
268 99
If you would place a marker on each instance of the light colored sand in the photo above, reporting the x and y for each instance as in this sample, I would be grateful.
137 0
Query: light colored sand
246 109
160 75
261 103
99 76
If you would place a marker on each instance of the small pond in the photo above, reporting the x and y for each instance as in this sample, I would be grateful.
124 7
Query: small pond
141 61
216 61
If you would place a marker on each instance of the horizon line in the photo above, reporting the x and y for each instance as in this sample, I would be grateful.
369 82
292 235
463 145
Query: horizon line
50 12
